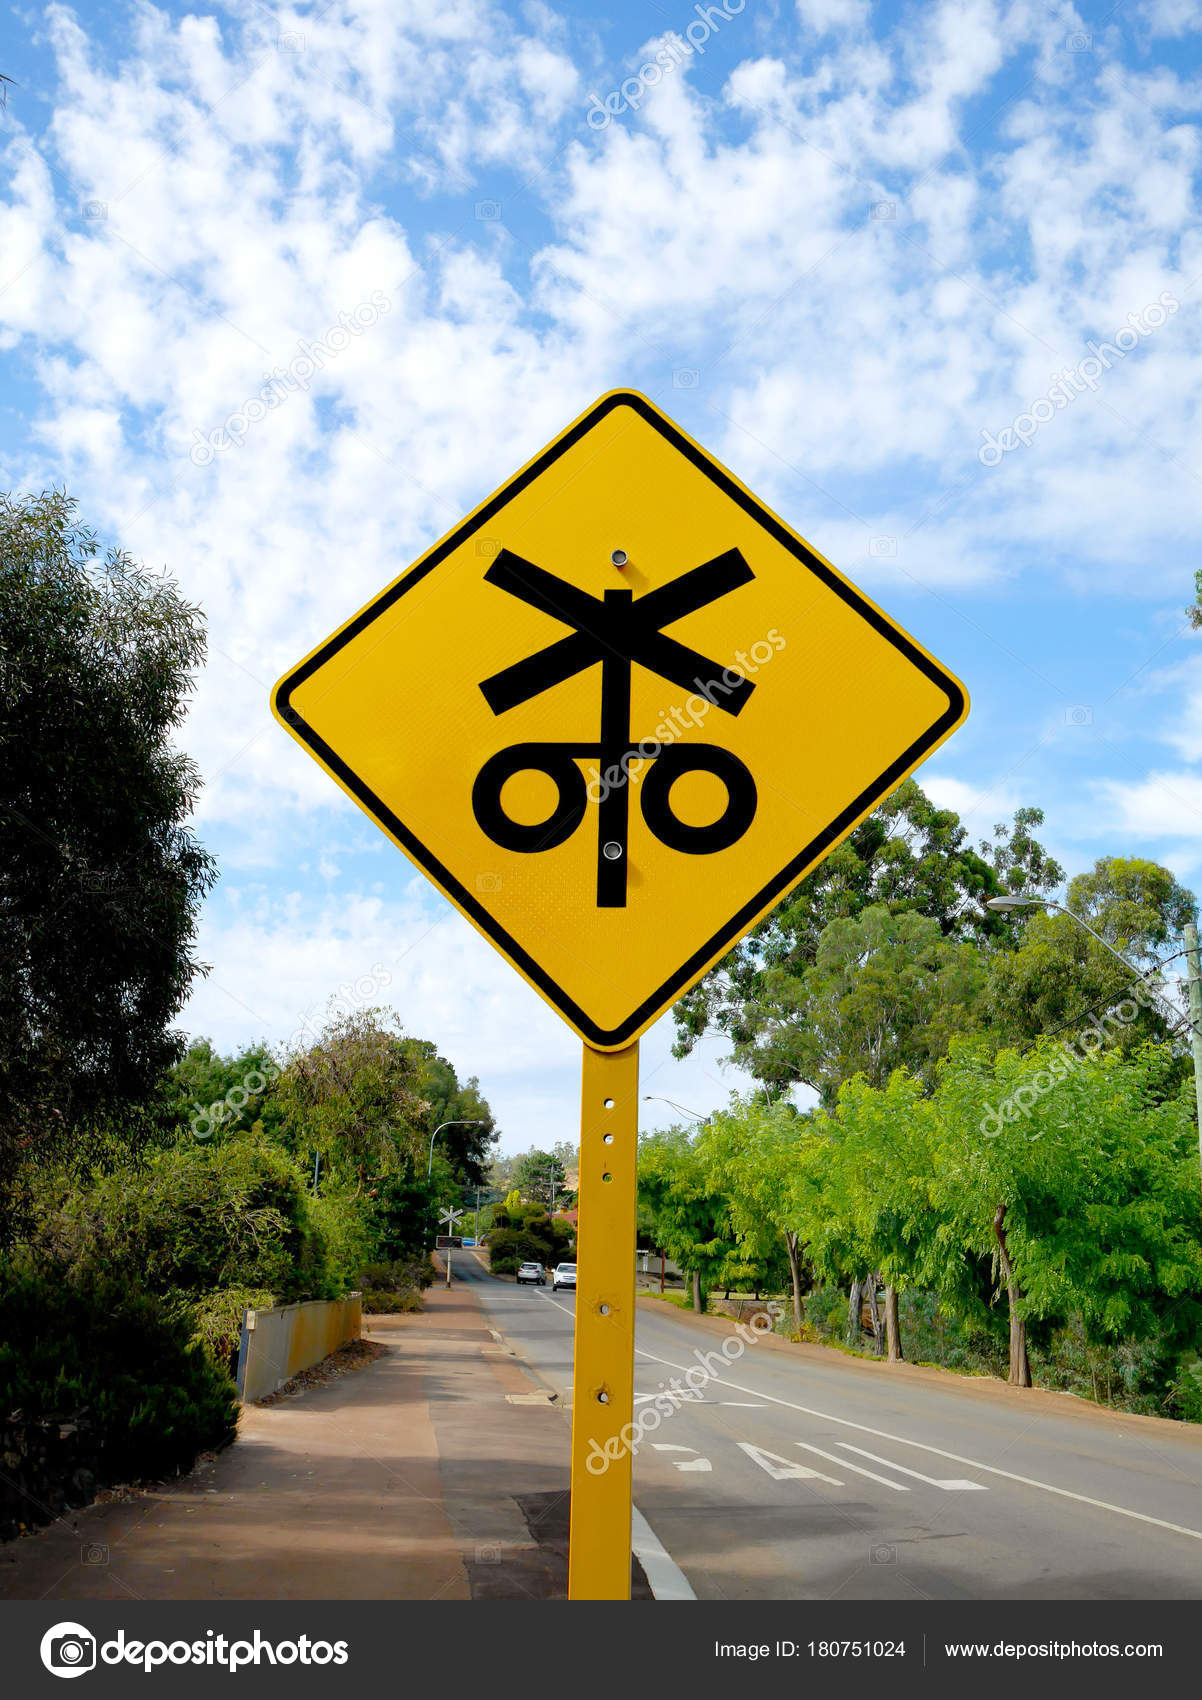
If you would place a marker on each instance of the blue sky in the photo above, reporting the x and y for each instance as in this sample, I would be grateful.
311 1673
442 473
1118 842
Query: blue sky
841 243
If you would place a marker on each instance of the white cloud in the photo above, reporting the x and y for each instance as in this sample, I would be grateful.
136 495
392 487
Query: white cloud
861 283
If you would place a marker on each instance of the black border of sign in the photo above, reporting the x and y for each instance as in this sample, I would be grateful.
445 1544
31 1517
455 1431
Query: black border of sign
728 935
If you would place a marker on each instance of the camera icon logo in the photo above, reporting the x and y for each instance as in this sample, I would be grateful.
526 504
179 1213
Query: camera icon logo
883 1555
882 210
68 1649
94 1553
881 546
487 546
95 209
1080 41
488 210
488 883
1079 715
686 378
489 1552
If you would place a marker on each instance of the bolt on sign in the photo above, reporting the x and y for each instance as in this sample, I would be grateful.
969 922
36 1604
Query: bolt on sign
616 715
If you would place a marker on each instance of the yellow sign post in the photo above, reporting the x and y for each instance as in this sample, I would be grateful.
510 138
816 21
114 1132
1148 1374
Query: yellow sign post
615 715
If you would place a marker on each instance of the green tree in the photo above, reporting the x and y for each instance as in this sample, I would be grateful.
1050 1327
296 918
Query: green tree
886 990
771 1165
692 1221
466 1147
219 1095
100 876
354 1098
908 856
540 1175
878 1197
1079 1179
1060 977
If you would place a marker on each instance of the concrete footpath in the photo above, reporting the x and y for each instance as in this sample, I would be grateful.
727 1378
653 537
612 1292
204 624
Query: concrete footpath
438 1471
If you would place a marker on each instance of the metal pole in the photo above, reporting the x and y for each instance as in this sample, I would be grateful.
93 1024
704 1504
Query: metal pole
603 1384
475 1122
1195 1017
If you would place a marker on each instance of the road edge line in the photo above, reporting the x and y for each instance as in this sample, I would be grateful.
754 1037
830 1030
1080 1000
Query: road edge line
665 1578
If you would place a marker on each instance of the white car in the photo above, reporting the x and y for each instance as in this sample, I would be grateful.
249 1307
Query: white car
532 1272
563 1275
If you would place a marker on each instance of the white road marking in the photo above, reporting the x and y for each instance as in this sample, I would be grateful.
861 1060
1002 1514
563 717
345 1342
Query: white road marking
783 1469
666 1446
949 1486
972 1463
742 1404
667 1579
693 1464
858 1468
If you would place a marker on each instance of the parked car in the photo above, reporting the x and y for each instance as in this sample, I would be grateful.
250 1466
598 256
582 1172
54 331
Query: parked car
532 1272
563 1275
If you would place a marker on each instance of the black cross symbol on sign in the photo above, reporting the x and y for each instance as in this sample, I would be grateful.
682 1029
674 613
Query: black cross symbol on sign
617 632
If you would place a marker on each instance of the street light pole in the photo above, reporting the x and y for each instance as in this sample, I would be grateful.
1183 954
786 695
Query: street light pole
1002 905
478 1122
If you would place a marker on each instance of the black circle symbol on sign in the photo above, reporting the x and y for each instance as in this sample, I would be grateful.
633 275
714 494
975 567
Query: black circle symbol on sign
564 818
732 823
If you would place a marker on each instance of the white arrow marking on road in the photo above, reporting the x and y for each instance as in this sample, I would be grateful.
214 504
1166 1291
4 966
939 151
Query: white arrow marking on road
956 1458
784 1469
859 1468
682 1463
949 1485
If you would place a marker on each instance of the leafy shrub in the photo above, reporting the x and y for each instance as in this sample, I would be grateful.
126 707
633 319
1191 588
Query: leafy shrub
395 1286
1185 1390
218 1318
197 1220
340 1217
99 1383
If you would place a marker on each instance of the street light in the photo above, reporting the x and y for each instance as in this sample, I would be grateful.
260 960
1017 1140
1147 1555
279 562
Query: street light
1003 905
650 1098
478 1122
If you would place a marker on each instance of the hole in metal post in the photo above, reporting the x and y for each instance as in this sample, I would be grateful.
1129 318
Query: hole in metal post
607 1177
604 1310
603 1397
607 1139
609 1103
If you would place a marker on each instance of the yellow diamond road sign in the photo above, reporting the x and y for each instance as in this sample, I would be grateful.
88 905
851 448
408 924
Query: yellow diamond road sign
617 713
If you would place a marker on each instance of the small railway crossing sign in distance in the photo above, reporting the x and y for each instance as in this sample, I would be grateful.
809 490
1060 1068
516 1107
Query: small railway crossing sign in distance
617 713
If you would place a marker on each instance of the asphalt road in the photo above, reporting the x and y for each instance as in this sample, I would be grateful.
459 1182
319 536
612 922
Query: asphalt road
807 1475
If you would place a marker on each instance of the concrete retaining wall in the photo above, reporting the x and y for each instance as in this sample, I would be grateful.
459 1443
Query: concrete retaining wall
278 1343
